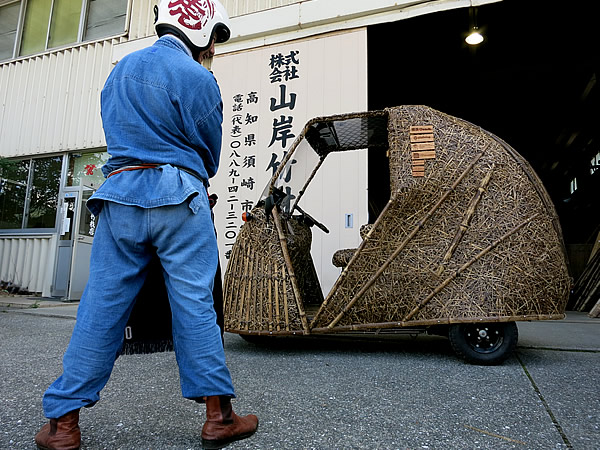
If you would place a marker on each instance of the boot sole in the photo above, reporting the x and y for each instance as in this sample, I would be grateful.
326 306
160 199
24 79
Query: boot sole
216 444
41 447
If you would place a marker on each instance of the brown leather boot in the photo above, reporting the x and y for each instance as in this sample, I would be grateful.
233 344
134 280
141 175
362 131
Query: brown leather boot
223 426
60 434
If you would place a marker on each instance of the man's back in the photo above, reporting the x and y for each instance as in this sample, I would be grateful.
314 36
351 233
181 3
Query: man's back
161 106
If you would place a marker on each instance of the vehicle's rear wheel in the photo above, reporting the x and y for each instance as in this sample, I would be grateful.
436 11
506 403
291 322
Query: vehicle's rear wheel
484 343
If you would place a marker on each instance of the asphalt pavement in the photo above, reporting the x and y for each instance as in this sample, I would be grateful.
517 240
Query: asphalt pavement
329 393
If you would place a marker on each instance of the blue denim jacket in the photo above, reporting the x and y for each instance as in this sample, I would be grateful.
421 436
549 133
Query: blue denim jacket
160 106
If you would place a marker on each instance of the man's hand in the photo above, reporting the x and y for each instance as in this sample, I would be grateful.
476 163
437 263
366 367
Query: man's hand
212 200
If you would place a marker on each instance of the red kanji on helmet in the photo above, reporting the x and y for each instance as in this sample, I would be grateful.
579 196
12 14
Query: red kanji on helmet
193 14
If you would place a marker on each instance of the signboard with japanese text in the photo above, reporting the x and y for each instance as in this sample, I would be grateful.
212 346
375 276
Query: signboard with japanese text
269 94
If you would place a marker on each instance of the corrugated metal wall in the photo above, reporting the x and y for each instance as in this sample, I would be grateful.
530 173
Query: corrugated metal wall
28 262
141 23
51 102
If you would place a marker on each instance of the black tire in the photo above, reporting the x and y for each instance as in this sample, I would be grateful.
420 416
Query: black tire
485 344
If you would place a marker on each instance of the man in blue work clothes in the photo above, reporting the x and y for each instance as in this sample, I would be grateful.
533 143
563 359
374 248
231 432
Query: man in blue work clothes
162 115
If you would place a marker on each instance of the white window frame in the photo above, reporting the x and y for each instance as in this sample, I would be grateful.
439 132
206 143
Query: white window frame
80 31
17 42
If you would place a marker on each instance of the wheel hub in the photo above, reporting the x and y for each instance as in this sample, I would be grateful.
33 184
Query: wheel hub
483 339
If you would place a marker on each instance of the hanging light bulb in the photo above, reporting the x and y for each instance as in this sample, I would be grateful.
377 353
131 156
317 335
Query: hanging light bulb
475 37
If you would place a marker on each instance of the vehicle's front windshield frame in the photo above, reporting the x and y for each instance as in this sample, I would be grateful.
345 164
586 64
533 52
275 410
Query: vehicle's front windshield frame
277 176
333 145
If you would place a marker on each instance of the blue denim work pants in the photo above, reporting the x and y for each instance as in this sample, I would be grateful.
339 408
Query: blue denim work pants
123 244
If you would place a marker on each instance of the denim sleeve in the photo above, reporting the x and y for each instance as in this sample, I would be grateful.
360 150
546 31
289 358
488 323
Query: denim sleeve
204 124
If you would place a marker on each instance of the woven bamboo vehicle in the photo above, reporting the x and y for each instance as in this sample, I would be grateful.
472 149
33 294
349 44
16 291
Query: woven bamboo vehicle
468 244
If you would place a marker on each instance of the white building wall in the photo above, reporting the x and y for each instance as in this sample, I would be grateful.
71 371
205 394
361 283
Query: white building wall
241 7
28 262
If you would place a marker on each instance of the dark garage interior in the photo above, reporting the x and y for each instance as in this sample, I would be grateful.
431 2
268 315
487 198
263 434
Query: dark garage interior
532 82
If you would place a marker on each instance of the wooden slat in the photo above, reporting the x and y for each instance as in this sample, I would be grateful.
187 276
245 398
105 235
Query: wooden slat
423 155
421 129
421 138
420 146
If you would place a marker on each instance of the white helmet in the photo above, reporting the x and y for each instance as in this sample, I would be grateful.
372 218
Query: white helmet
194 21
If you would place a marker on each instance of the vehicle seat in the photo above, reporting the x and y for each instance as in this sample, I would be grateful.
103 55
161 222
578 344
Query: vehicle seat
342 257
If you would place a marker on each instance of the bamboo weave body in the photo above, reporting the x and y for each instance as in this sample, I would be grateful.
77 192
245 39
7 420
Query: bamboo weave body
524 275
476 237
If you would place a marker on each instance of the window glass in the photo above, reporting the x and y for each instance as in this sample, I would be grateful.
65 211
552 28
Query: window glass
55 23
64 28
9 19
13 190
44 192
85 169
35 28
105 18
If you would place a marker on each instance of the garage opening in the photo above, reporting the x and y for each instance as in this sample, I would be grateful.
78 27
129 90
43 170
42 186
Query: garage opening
532 82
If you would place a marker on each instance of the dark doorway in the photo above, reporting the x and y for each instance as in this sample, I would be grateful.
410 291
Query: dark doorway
532 82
